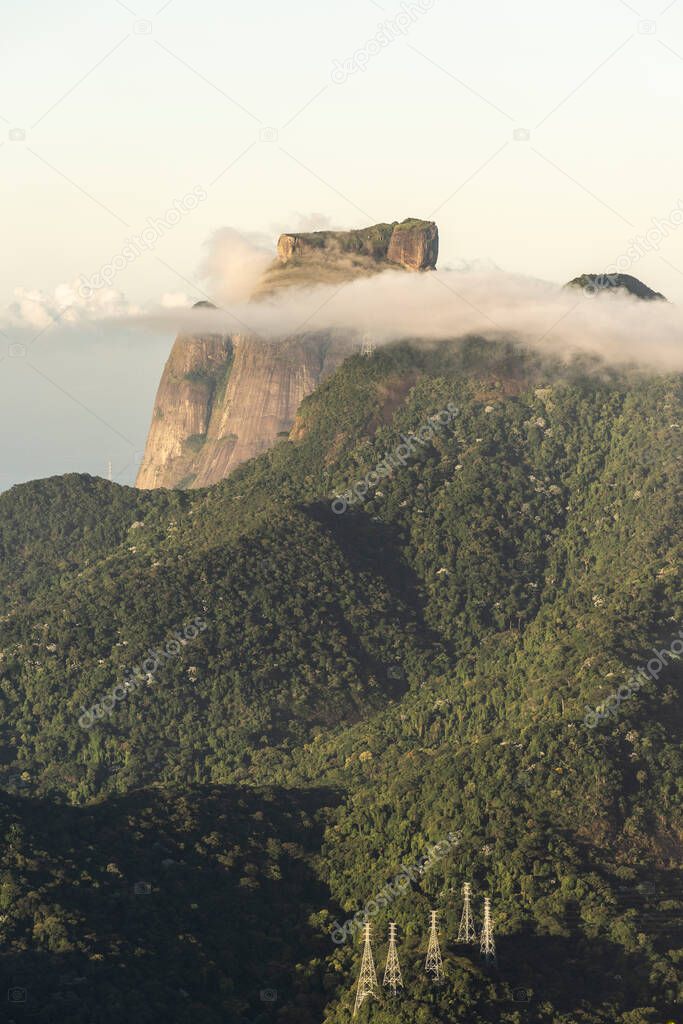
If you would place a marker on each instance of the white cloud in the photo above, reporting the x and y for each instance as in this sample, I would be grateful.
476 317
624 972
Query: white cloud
449 304
35 308
234 263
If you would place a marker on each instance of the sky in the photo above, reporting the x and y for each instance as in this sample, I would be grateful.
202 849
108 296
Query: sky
542 138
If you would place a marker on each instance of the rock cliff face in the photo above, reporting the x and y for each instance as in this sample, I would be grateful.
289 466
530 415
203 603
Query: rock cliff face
224 399
414 245
183 408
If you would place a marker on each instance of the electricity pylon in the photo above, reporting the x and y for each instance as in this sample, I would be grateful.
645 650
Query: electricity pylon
487 945
367 980
392 971
434 963
467 932
367 346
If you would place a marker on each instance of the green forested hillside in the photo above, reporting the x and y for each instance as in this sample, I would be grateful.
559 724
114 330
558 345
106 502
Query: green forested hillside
176 904
428 663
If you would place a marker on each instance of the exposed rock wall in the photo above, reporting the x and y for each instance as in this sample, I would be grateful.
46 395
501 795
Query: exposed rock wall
217 408
267 383
225 399
183 408
414 246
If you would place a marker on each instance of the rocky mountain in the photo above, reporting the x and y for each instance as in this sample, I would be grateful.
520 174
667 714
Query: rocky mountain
224 399
322 256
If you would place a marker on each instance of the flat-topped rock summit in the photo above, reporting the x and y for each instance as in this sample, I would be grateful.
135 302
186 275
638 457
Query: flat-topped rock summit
413 244
324 257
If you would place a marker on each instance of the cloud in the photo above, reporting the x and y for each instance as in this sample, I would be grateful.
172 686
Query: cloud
232 266
234 263
35 308
453 304
475 298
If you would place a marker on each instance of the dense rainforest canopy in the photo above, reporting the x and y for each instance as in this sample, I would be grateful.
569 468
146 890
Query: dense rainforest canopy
441 658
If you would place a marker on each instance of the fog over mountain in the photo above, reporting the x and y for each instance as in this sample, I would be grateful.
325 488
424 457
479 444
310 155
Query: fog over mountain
613 326
101 357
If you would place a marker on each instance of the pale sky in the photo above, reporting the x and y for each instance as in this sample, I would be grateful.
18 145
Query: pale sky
541 136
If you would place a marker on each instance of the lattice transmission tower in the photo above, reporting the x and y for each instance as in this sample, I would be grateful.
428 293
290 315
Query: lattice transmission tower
487 945
467 931
392 972
367 979
434 963
367 345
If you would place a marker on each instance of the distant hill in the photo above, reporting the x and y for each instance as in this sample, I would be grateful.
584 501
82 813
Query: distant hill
593 283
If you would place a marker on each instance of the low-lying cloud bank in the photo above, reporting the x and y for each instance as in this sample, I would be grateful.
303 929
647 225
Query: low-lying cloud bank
435 306
449 304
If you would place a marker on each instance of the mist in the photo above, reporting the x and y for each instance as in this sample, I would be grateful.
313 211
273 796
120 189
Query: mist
474 298
234 263
447 304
